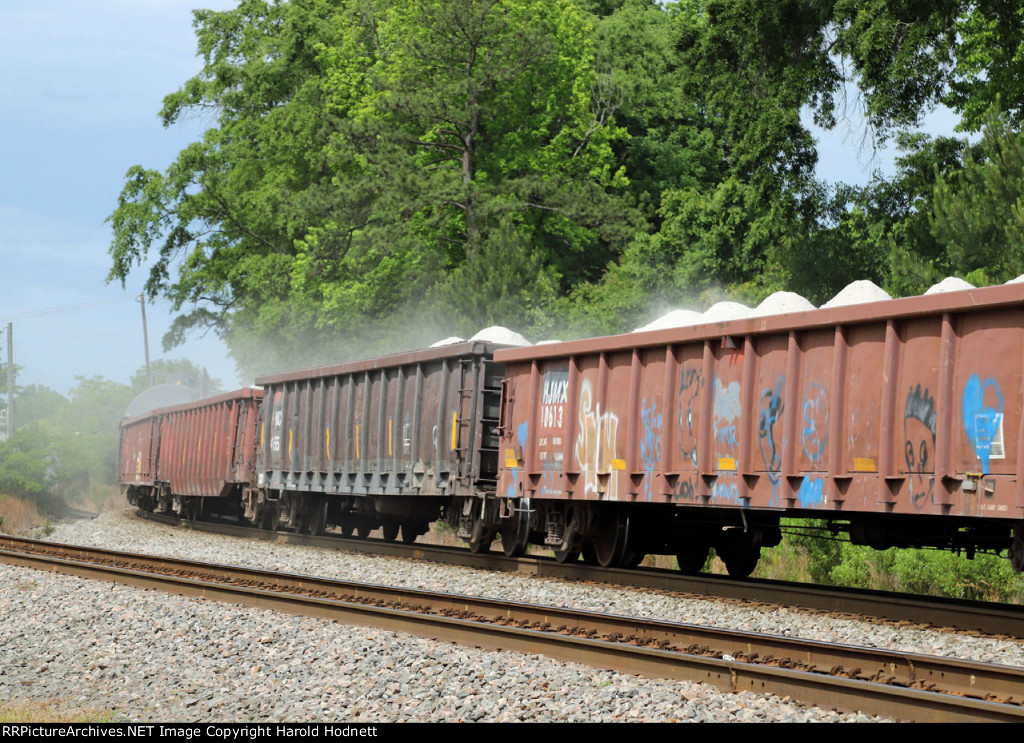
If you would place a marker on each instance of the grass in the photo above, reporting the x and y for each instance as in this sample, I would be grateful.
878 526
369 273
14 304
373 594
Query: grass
51 711
19 516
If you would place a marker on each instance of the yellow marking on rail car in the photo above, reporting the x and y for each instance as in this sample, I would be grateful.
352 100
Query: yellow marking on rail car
328 443
727 464
390 452
510 459
455 428
864 464
289 444
357 441
263 431
618 464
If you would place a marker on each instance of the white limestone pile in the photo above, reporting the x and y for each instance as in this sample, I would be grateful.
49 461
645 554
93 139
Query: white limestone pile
859 292
1018 280
781 303
449 341
500 334
673 319
724 311
949 284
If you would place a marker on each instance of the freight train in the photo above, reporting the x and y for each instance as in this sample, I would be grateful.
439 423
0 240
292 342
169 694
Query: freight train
900 423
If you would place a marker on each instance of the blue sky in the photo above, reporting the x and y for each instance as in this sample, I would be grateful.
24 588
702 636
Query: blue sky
83 81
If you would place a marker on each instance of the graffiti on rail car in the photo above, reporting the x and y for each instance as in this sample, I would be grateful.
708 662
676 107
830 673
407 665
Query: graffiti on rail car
596 452
815 433
512 463
983 419
726 415
727 412
812 492
769 433
650 444
919 420
686 490
690 383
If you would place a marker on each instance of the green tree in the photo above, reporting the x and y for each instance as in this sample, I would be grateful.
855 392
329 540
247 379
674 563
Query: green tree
37 402
910 56
28 465
977 212
229 210
732 183
85 433
366 152
177 371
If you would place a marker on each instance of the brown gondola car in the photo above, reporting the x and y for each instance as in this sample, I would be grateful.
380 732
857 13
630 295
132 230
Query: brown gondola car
389 442
892 421
191 458
898 421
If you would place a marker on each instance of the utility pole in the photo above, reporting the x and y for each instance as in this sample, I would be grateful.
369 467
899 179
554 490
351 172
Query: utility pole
145 340
10 380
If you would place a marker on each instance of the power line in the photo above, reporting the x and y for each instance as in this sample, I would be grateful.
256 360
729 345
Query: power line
65 308
76 336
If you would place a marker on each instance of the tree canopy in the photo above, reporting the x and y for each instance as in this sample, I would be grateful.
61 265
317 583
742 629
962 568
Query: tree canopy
66 447
381 171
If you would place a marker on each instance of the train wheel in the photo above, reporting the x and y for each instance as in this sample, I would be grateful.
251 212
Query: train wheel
345 527
1016 553
363 530
568 555
318 518
481 539
742 565
389 530
740 553
632 558
692 556
612 538
411 530
478 546
515 532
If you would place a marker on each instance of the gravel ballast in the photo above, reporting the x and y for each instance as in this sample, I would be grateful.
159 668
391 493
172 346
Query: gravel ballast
150 656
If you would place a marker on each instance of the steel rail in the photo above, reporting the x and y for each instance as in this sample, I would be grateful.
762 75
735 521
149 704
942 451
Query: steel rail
292 593
973 616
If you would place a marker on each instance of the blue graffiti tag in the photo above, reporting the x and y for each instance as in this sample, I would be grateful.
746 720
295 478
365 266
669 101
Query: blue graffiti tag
727 411
726 436
690 383
983 424
812 492
650 444
725 492
771 412
815 434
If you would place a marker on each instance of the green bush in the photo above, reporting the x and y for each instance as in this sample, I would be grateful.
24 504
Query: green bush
935 572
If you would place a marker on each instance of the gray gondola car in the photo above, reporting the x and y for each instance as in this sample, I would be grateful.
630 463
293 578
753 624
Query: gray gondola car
390 442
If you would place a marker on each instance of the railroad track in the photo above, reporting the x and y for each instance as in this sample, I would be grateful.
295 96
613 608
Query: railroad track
1004 620
901 685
